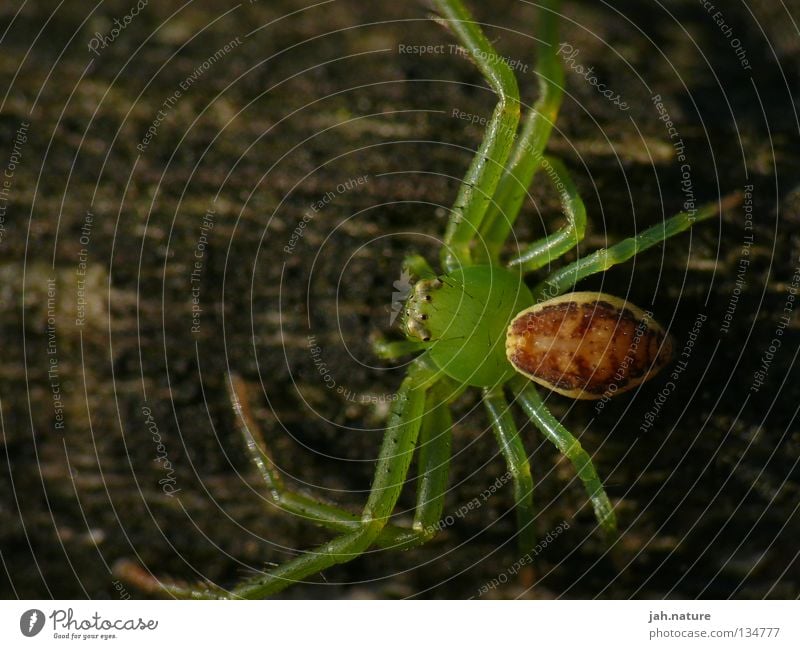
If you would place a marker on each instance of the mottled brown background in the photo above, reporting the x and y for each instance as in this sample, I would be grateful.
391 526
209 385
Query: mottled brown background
707 498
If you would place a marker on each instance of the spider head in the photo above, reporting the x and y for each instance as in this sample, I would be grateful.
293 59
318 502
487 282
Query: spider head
463 316
419 308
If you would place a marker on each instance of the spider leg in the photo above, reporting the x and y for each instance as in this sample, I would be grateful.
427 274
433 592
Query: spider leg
526 158
405 417
543 252
434 458
290 501
390 473
565 278
534 407
418 267
516 457
480 181
433 461
394 459
389 349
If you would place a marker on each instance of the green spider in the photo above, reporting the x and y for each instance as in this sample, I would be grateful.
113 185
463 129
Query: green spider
478 324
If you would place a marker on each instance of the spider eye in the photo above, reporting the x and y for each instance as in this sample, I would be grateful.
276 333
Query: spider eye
587 345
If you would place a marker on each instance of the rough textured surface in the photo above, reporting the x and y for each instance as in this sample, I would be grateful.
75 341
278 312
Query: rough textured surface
705 478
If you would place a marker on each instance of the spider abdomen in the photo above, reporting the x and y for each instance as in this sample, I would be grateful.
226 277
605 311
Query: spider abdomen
585 345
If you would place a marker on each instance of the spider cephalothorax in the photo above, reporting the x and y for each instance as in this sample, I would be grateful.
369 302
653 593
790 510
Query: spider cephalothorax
463 316
476 323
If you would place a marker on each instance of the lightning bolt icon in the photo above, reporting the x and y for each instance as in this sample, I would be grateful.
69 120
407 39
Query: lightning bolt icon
32 620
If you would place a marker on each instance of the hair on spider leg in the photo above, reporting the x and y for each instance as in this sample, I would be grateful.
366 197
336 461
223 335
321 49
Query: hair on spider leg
251 572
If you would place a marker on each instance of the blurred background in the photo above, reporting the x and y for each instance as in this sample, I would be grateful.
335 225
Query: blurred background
195 188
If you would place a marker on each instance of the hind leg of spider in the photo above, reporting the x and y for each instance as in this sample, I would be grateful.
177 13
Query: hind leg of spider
312 509
433 463
510 443
565 278
405 418
534 407
480 181
526 158
546 250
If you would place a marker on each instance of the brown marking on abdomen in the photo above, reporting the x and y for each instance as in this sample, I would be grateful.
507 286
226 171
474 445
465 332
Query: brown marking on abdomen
586 344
